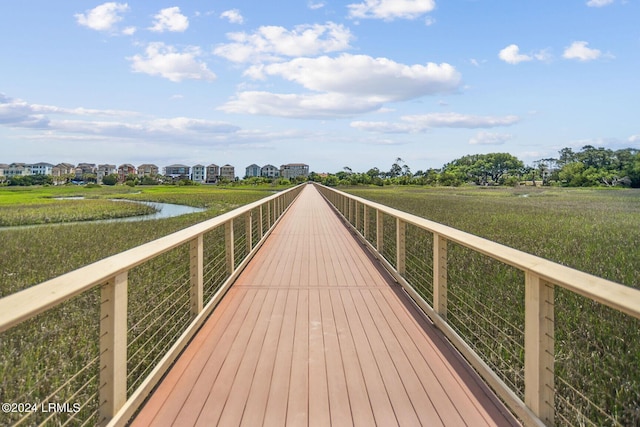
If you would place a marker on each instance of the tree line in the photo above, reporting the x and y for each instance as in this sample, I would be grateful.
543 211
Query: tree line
588 167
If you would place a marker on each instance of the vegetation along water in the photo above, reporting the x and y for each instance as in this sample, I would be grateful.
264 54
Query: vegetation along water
594 230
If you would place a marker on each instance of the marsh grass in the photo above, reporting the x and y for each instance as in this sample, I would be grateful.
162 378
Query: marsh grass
54 356
596 231
70 211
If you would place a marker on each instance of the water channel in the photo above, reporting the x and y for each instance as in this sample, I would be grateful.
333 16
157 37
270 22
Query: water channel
163 210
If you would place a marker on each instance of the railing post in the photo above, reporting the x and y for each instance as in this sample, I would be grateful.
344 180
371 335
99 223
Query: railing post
357 211
248 230
274 212
440 275
268 215
260 219
379 232
113 347
365 220
229 246
401 251
196 255
539 381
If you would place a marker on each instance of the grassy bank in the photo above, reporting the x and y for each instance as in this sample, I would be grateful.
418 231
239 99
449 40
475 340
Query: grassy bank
53 357
593 230
597 349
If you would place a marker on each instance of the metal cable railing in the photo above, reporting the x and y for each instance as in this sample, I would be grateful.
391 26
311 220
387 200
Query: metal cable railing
131 313
556 344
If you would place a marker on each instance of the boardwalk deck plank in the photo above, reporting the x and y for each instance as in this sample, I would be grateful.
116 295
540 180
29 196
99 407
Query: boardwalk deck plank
314 332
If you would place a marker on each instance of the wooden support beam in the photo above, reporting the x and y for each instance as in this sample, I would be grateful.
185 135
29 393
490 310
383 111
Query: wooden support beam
401 249
365 219
113 346
196 276
440 275
229 246
379 232
539 380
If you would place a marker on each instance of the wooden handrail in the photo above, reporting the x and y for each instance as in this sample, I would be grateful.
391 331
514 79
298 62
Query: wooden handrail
18 307
541 276
112 275
615 295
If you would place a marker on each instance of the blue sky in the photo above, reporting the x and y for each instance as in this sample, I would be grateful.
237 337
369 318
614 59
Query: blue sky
328 83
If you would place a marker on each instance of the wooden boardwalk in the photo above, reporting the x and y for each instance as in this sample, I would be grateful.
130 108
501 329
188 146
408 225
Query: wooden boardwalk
314 332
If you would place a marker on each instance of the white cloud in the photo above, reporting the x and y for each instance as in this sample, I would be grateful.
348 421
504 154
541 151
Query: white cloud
315 6
579 50
391 9
424 122
311 106
129 31
103 17
343 86
381 79
18 113
489 138
429 21
271 43
599 3
170 19
232 16
165 61
634 138
511 54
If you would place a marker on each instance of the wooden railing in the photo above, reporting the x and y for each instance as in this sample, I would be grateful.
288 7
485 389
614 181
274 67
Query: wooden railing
419 254
113 402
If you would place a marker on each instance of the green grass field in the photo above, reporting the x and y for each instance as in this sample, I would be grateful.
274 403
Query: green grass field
592 230
597 349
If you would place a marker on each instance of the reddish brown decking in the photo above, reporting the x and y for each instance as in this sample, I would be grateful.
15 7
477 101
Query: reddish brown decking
314 333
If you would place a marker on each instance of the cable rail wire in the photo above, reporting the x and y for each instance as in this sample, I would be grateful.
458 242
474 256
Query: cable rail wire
166 274
530 330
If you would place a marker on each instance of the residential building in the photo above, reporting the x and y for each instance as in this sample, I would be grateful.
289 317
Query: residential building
293 170
104 170
177 171
125 170
198 173
42 168
17 169
3 166
252 171
63 172
270 171
148 169
228 172
84 168
213 173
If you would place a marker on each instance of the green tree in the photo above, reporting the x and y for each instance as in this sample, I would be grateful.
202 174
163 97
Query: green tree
111 179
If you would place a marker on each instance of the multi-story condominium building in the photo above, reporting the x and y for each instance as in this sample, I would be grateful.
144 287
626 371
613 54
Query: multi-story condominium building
293 170
198 173
148 169
104 170
42 168
17 169
125 170
62 172
270 171
177 171
252 170
213 173
84 168
228 172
